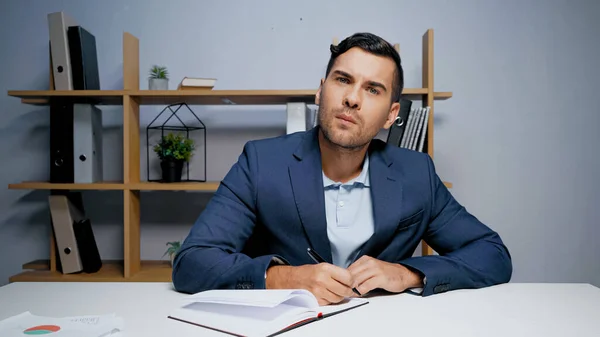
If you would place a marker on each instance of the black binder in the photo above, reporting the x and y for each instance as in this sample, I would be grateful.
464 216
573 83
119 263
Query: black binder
84 59
397 129
86 243
62 169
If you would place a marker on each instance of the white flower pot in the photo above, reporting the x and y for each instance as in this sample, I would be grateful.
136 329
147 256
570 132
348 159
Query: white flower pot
158 84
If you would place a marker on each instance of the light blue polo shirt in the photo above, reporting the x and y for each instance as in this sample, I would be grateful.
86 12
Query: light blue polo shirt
349 213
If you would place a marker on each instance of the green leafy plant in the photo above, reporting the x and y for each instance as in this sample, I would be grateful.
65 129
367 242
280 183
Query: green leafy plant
173 248
174 147
159 72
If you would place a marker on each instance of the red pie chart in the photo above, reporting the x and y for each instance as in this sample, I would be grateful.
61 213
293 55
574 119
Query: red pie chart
41 330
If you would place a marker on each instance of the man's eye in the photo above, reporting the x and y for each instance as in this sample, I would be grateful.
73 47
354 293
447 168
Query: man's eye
342 79
374 91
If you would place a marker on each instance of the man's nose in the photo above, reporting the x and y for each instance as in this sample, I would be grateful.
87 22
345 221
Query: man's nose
352 99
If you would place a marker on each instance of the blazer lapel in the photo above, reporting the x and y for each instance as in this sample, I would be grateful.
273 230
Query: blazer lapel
386 196
306 177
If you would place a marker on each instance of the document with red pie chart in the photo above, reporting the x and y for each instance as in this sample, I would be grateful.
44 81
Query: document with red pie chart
28 324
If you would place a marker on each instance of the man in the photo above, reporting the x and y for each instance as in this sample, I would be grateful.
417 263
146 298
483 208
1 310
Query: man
362 205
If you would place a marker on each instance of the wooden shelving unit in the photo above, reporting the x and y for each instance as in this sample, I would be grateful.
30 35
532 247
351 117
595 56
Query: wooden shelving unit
132 268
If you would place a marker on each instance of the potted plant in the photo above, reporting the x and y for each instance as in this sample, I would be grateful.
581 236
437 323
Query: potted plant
172 250
173 150
159 78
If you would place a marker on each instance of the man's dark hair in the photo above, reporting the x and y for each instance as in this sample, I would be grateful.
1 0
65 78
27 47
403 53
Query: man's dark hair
373 44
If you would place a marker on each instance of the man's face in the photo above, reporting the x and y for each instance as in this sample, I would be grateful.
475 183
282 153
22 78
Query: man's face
355 99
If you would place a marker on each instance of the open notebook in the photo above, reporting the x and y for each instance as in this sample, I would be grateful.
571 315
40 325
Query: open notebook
256 312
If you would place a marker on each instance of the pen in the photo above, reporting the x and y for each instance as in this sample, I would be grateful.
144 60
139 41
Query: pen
318 259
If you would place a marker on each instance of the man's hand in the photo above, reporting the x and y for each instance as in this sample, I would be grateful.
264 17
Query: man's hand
370 273
329 283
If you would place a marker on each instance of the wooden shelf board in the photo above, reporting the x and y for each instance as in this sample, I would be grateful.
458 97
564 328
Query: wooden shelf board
34 185
107 97
153 271
141 186
182 186
37 265
442 95
223 97
191 97
35 101
111 271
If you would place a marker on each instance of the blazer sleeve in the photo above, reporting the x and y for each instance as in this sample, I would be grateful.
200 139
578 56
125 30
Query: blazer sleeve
471 255
209 257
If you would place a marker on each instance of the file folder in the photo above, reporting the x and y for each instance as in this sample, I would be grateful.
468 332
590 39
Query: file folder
64 214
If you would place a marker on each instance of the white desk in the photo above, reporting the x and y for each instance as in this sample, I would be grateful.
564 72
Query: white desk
506 310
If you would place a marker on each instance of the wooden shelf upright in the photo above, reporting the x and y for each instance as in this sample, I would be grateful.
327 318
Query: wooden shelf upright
131 155
131 267
427 100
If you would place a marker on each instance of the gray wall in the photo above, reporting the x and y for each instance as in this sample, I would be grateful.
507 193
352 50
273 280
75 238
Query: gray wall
518 139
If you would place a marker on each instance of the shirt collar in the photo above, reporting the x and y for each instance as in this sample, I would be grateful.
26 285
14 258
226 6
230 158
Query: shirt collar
362 179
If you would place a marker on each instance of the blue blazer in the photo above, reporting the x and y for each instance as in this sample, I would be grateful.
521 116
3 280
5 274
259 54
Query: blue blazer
271 204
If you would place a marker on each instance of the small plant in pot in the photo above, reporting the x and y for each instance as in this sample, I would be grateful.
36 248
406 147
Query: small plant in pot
159 78
172 250
173 150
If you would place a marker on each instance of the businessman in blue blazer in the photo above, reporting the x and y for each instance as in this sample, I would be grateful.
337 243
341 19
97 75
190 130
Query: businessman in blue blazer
360 204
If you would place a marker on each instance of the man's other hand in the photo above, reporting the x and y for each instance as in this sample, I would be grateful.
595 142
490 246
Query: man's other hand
329 283
370 273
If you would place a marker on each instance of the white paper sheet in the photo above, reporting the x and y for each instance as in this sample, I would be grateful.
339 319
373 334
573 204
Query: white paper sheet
28 324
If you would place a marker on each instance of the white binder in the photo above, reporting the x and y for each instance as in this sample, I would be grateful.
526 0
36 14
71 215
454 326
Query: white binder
299 117
58 24
87 142
64 214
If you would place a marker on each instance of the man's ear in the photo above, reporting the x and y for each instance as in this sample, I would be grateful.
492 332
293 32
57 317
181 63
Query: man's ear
318 95
392 114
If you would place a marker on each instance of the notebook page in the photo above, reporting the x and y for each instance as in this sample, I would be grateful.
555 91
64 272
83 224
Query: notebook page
242 320
255 297
347 303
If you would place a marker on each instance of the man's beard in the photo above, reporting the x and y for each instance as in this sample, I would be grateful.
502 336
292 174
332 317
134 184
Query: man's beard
353 143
